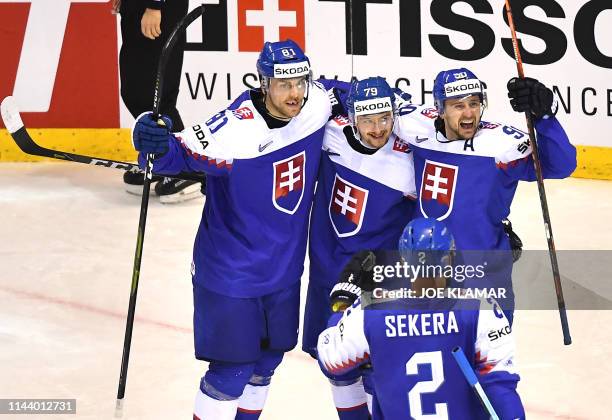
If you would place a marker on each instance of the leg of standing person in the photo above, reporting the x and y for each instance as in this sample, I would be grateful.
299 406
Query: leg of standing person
138 60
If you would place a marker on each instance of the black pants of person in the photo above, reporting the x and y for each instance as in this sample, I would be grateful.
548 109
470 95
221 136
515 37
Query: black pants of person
139 57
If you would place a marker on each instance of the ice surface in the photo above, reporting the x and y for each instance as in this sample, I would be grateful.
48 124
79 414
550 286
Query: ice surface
67 239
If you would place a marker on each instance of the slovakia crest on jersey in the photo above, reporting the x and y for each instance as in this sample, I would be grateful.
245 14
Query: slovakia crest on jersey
430 113
243 113
400 145
438 189
341 120
288 188
346 207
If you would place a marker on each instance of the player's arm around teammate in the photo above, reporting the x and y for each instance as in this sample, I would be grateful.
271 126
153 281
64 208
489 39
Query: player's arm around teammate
460 103
262 153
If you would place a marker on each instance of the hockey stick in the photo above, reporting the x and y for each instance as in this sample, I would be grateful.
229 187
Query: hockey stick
163 59
567 339
352 44
472 380
19 133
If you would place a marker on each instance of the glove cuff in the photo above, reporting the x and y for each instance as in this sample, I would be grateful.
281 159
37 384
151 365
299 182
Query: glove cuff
554 107
344 288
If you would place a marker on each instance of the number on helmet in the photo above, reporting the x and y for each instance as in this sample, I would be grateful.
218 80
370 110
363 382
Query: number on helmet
288 52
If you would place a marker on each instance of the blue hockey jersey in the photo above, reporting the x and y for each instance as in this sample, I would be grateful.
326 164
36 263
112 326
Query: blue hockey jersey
363 201
252 237
470 184
409 345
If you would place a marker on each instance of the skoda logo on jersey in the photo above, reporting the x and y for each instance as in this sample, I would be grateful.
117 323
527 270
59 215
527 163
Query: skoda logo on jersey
347 207
438 184
288 188
289 70
373 106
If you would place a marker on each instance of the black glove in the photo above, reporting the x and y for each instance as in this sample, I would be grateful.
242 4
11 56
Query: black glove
529 95
357 275
515 242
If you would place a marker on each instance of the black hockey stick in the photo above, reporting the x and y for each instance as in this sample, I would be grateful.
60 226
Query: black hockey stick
163 59
567 339
19 133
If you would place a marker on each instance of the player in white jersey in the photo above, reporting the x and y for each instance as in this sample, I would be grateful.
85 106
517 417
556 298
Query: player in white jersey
409 341
365 196
262 156
467 170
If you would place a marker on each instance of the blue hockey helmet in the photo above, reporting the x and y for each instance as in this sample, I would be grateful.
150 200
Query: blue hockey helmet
370 96
457 83
282 60
426 241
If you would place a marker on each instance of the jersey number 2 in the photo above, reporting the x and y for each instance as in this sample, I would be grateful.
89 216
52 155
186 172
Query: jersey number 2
433 358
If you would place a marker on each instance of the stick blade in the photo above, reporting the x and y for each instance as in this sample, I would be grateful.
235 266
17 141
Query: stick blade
10 114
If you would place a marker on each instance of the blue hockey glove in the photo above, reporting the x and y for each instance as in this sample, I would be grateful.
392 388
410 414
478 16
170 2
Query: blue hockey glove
529 95
405 96
357 275
337 97
149 136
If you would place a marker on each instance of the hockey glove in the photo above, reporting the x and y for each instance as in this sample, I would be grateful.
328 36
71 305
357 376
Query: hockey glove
515 242
404 96
338 97
529 95
357 275
150 136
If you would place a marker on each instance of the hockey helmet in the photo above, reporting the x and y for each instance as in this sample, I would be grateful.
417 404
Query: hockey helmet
370 96
283 60
457 83
426 242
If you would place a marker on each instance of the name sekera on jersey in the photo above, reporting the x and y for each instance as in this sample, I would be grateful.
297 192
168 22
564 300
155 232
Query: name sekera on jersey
415 325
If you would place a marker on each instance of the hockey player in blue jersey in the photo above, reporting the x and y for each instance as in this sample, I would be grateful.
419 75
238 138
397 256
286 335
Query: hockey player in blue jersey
262 156
467 170
409 343
365 196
